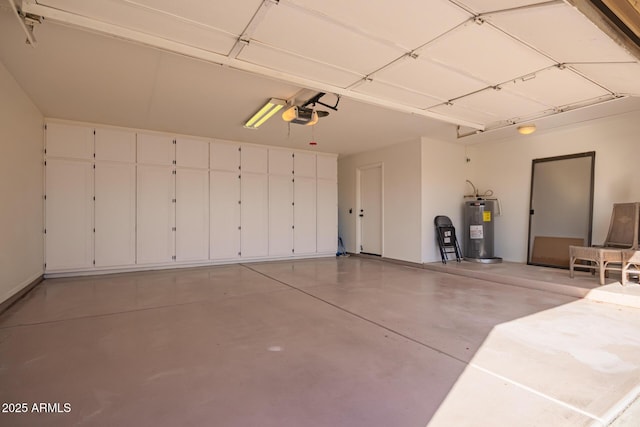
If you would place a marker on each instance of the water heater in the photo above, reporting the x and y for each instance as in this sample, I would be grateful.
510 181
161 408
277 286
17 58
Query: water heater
479 229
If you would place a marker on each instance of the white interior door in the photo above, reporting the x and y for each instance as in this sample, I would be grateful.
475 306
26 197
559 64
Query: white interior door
280 214
304 215
155 214
254 214
371 210
192 214
69 214
225 215
327 216
115 214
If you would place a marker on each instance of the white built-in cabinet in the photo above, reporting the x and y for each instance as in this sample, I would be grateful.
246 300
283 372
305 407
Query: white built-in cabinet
192 200
224 185
254 196
327 205
117 199
155 218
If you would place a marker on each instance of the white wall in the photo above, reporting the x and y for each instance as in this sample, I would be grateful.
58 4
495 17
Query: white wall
21 189
443 187
505 167
402 223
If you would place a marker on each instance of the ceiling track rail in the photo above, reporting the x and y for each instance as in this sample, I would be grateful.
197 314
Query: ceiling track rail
27 29
160 43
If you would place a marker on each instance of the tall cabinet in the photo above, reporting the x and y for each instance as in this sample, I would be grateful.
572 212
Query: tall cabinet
119 199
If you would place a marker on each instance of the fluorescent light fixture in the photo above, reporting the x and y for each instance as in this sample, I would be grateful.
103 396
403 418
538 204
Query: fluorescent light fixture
270 108
526 129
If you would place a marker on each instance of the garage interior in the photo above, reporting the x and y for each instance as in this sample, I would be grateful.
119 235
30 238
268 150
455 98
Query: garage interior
166 260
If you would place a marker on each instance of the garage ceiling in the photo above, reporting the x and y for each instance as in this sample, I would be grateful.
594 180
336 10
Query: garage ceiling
480 65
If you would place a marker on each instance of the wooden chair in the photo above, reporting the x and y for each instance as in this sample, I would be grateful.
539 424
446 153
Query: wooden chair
623 234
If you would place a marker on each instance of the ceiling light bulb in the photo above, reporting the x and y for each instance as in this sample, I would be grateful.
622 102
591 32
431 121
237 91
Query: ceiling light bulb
290 113
526 129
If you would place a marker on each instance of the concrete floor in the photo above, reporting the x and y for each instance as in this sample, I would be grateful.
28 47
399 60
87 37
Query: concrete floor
324 342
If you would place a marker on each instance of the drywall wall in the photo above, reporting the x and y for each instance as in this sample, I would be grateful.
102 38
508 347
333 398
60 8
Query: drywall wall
443 187
402 223
21 136
505 167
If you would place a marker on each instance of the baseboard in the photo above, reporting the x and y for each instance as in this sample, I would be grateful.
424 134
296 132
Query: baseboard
20 291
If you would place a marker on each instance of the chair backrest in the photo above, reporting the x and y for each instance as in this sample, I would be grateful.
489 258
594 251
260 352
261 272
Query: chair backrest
442 221
624 229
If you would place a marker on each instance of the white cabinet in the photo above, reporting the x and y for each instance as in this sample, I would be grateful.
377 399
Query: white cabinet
280 215
224 161
115 145
192 214
117 198
254 214
192 153
225 215
327 197
304 164
155 214
155 149
304 215
69 214
69 141
254 159
224 156
280 162
115 214
327 167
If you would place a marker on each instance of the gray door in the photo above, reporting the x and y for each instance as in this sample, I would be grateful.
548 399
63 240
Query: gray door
561 207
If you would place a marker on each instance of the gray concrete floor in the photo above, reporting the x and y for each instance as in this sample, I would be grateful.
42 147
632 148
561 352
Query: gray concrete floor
324 342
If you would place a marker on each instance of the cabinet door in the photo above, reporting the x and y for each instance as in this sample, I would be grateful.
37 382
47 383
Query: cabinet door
327 222
304 215
155 215
280 215
254 215
115 214
225 215
304 164
254 159
192 153
115 145
327 167
71 141
192 214
69 214
280 162
155 149
225 156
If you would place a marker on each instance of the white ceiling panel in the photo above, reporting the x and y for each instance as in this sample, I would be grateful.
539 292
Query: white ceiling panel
485 53
556 87
620 78
403 96
464 113
483 6
148 21
566 36
228 15
429 78
260 54
408 23
501 103
292 29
